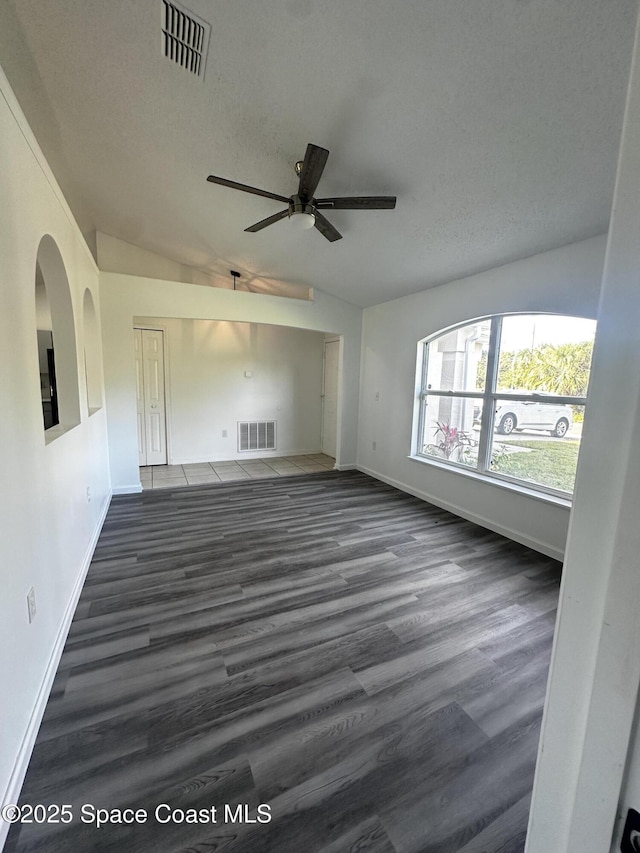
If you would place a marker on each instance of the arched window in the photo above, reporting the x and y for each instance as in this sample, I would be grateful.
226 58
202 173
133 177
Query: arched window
56 341
504 396
92 352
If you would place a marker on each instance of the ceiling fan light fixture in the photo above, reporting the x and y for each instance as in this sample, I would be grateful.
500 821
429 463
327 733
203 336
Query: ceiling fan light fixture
301 214
302 220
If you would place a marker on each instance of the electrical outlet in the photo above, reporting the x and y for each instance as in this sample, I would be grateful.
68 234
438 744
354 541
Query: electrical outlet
377 396
373 445
88 494
31 604
631 835
224 433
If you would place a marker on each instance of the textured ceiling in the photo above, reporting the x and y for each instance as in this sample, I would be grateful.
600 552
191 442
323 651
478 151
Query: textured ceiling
495 122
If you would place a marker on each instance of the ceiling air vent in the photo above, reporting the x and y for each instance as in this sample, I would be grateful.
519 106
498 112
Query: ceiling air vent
185 37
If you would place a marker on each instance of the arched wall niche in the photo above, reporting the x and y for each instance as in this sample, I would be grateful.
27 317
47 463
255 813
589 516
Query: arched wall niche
53 303
92 353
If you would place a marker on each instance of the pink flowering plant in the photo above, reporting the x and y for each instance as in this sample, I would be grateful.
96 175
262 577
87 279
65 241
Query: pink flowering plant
450 441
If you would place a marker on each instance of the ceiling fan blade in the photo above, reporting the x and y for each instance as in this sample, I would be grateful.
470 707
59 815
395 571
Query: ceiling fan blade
268 221
326 228
368 202
315 160
253 190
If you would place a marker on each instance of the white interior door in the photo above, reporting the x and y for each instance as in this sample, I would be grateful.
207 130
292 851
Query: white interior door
330 397
150 396
142 445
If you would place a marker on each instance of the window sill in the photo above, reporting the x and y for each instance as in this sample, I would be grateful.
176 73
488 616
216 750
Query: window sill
57 431
494 480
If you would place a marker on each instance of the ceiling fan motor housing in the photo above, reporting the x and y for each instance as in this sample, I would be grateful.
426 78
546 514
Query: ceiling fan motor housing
296 205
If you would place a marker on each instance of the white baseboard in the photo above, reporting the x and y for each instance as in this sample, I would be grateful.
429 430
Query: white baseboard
133 489
12 792
244 456
490 524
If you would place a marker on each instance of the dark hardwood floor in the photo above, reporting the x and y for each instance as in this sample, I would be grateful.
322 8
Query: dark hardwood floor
370 668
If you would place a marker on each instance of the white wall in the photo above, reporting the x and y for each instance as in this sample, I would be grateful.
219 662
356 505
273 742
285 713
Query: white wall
43 312
125 297
565 281
47 525
630 790
208 391
115 255
591 716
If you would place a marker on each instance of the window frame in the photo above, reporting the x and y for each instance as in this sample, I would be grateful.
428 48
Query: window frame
489 398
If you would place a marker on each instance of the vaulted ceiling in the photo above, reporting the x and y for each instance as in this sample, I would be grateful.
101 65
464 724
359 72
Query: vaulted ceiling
495 122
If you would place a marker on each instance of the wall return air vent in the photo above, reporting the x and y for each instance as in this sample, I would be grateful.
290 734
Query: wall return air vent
256 435
185 37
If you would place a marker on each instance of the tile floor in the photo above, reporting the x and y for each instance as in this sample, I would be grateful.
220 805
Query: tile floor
170 476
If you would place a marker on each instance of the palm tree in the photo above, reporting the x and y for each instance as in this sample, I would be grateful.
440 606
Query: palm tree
561 369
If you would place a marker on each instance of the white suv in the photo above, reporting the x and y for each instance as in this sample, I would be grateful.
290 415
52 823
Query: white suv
531 414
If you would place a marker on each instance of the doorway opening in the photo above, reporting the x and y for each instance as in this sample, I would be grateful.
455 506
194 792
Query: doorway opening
330 397
48 384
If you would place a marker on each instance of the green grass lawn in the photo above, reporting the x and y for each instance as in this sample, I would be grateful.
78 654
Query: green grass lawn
549 463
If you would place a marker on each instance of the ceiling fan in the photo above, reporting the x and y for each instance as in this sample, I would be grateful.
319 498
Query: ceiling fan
302 208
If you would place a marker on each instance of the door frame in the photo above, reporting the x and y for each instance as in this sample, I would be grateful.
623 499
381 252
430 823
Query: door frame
329 339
